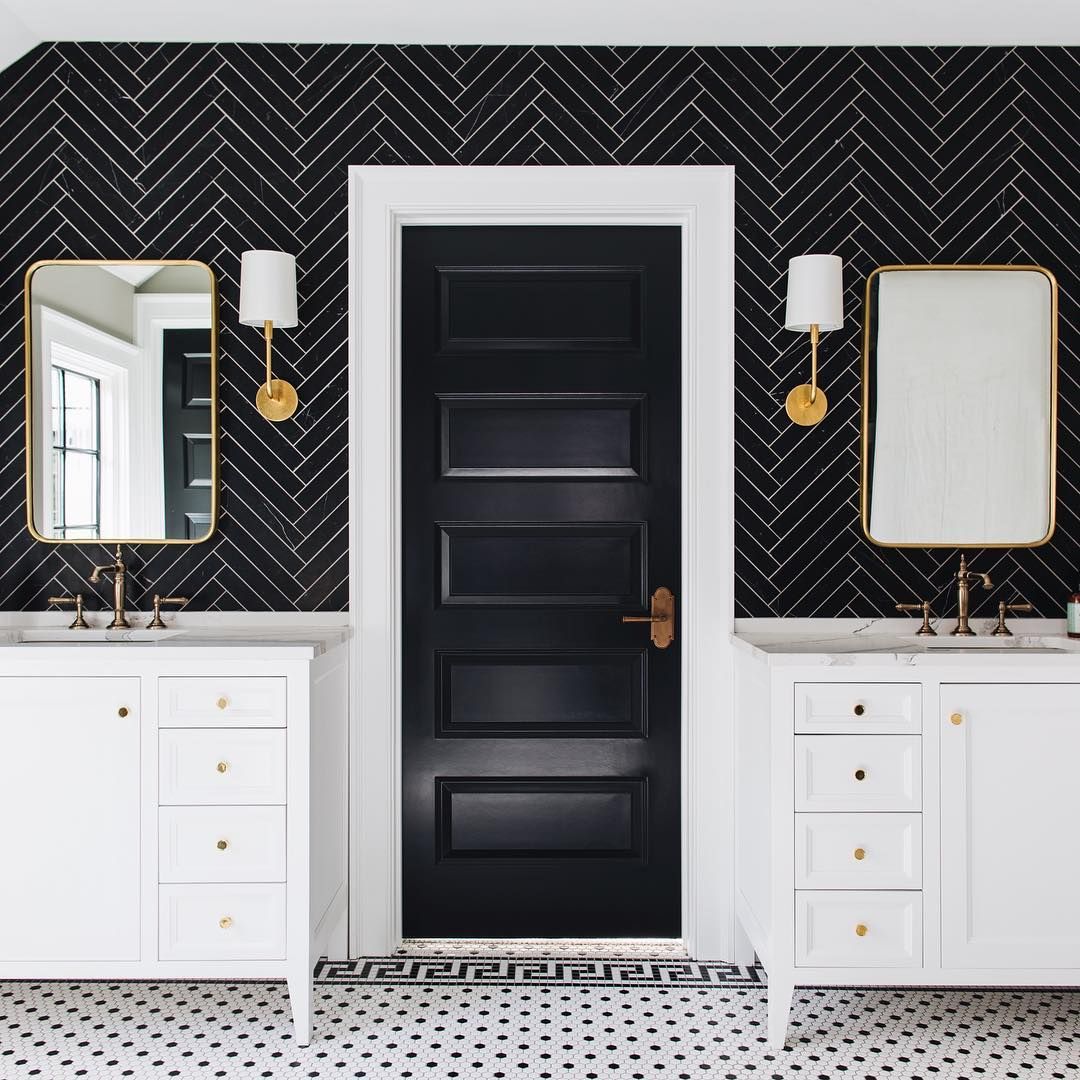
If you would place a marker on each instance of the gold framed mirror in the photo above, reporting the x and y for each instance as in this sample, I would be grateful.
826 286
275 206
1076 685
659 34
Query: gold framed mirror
959 417
122 441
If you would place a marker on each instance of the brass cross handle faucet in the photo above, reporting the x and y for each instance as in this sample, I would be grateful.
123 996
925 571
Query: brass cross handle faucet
1001 630
926 630
119 573
964 578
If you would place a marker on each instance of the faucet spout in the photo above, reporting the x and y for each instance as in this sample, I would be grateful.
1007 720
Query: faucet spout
118 569
964 579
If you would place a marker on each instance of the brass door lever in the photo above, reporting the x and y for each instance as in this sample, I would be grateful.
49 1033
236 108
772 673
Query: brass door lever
662 619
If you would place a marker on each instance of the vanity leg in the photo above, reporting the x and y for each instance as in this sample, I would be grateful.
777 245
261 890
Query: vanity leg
302 999
743 947
781 991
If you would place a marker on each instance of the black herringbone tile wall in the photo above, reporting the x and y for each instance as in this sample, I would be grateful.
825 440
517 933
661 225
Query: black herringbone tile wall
880 155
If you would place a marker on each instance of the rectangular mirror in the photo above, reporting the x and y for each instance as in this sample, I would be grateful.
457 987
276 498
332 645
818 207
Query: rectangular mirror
121 402
959 406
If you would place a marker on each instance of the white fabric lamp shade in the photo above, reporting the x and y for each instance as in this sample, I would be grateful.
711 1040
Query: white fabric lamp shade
267 288
815 293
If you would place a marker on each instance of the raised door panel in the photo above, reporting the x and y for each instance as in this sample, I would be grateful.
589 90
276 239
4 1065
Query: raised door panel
70 807
1010 803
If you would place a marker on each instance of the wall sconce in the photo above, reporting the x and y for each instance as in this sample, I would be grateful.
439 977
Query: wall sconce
268 299
815 302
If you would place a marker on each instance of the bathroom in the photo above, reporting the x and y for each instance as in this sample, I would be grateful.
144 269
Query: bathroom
516 660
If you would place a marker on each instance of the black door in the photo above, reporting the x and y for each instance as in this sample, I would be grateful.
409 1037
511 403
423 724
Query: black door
186 432
541 487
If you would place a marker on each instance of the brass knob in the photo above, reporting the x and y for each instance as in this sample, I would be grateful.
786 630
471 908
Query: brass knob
222 702
861 929
860 709
222 766
121 712
860 774
957 718
222 845
860 854
225 923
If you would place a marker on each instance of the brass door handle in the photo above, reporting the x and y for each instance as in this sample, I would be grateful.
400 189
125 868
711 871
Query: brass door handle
662 620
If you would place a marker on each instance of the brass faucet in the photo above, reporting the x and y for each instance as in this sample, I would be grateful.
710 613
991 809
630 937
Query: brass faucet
964 578
119 573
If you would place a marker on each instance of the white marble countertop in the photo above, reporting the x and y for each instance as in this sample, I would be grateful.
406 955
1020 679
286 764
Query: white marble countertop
310 640
852 642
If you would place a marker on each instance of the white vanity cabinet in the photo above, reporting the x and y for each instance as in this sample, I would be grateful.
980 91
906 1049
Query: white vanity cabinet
70 786
907 818
174 809
1010 826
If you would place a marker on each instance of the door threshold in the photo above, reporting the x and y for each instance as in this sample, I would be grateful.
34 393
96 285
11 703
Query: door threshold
578 948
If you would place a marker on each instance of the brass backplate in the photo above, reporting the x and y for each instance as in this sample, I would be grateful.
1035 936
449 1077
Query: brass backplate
801 410
281 405
661 618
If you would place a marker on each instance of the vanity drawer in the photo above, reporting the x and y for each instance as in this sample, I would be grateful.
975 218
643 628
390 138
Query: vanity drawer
221 922
225 702
221 843
858 851
858 708
858 929
221 766
858 772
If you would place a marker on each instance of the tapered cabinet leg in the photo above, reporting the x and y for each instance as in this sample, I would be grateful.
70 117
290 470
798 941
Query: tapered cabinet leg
780 991
744 949
302 1000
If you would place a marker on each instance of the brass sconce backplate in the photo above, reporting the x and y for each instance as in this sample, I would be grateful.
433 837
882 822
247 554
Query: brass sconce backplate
805 407
280 403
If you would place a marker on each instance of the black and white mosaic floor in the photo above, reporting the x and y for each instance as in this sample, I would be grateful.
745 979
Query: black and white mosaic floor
531 1017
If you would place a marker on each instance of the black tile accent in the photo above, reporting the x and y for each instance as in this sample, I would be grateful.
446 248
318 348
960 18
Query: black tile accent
881 155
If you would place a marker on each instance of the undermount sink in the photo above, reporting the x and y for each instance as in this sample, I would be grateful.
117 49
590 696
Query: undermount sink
55 636
1020 643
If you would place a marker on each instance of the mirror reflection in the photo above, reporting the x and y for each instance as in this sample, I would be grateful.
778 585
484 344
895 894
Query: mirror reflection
960 406
121 402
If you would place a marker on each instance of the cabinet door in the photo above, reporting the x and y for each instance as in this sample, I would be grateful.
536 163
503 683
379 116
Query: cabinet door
69 807
1010 848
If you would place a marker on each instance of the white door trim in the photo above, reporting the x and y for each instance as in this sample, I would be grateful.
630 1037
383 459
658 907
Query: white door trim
700 200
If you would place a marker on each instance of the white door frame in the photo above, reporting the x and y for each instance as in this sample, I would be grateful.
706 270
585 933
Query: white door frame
700 200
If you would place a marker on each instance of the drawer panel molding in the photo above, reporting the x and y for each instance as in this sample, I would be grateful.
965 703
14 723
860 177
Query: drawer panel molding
221 922
858 851
858 772
858 929
221 766
221 843
858 708
231 701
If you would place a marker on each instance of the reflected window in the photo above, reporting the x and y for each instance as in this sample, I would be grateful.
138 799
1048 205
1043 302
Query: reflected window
76 455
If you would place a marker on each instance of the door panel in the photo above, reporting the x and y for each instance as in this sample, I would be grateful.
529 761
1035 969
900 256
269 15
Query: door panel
188 442
70 803
1010 873
549 436
541 480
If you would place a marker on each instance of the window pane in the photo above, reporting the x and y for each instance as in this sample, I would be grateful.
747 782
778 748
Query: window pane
57 402
80 534
80 411
81 490
57 461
